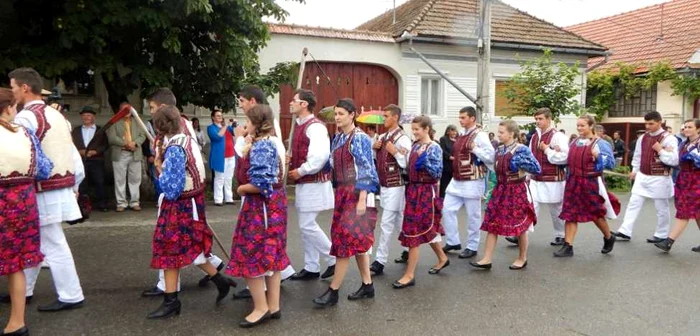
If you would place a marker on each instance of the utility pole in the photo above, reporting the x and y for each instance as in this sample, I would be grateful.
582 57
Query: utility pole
483 79
393 20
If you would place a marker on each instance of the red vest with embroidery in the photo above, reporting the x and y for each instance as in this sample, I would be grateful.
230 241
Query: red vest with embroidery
55 142
464 167
503 173
650 163
550 172
687 165
344 162
419 176
388 168
581 161
300 144
18 159
194 181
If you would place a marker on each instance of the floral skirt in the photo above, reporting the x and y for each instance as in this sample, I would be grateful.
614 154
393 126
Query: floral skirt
179 238
260 239
687 191
20 243
509 212
583 201
422 216
351 234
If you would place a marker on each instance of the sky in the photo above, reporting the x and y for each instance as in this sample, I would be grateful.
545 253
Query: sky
348 14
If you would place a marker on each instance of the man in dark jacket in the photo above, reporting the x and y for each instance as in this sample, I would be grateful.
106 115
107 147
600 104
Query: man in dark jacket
92 144
619 148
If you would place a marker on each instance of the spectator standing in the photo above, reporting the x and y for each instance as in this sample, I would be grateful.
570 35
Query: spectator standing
618 148
125 138
92 145
222 157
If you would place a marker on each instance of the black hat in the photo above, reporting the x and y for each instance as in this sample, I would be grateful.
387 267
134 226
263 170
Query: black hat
88 109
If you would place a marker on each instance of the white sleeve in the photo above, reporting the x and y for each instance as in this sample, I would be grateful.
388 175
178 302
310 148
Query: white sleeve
78 168
403 143
669 158
319 149
484 150
190 129
637 157
281 152
239 145
561 157
27 120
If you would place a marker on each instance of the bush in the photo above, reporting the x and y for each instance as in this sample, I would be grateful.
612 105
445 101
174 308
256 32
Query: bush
619 183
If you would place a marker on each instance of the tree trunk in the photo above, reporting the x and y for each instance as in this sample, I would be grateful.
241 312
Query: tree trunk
116 93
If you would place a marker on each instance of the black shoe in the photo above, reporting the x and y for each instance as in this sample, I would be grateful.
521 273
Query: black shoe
481 266
276 315
566 250
558 241
622 236
654 240
328 298
155 291
403 258
19 332
376 268
448 248
58 306
306 275
435 270
218 204
366 291
696 249
5 298
513 240
247 324
223 285
608 244
242 294
330 271
205 280
397 285
171 306
666 244
513 267
467 253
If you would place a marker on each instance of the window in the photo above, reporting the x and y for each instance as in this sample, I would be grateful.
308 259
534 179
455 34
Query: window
635 106
503 107
431 96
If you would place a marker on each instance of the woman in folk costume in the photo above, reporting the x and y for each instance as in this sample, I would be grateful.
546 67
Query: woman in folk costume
585 197
182 236
354 217
423 212
258 251
687 187
21 163
510 211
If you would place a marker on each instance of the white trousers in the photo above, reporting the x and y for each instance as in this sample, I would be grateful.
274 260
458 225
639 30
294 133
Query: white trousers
57 254
450 209
554 211
127 168
663 215
214 260
223 182
391 221
316 243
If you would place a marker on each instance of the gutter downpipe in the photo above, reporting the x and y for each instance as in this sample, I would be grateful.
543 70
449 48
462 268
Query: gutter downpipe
407 36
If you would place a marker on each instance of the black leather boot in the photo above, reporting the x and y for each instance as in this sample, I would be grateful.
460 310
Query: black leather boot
566 250
365 291
329 298
171 306
608 245
665 245
223 284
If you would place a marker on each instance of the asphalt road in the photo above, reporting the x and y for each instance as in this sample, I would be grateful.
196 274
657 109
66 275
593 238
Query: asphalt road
636 290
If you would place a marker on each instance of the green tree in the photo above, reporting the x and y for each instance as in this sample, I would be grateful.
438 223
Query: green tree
205 50
543 83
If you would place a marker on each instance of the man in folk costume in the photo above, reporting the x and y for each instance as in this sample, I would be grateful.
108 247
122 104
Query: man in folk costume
551 149
472 153
55 196
392 149
159 98
655 153
248 98
314 192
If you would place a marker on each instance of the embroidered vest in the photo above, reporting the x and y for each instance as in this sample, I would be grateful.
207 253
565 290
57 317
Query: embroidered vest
685 165
650 163
419 176
195 172
464 165
503 173
18 159
581 161
388 168
55 135
344 162
300 143
550 172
